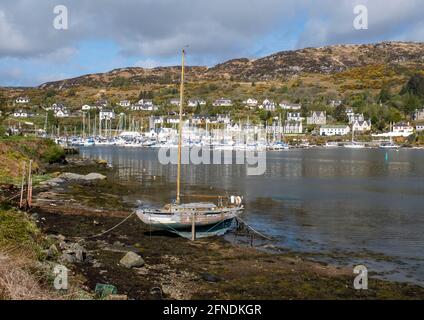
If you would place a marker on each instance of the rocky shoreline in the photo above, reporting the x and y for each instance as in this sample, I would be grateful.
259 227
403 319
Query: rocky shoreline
75 208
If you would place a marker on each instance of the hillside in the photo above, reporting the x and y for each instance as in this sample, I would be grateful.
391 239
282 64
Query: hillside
279 66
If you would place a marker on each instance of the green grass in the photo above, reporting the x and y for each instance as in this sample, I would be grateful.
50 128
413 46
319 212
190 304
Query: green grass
17 229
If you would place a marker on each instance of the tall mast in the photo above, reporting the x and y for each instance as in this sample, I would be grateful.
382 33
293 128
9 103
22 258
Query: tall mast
180 128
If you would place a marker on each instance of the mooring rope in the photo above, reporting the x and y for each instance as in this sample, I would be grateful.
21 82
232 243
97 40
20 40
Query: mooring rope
251 228
114 227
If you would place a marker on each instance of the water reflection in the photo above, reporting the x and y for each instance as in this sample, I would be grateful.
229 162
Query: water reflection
317 200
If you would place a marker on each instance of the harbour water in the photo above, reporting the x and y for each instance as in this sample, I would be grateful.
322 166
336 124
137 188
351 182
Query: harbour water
342 206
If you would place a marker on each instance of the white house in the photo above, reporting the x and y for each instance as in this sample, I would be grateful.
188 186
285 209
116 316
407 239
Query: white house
361 126
402 129
293 127
107 114
193 103
61 113
86 107
251 102
57 106
268 105
317 118
155 121
21 114
173 120
146 102
290 106
144 105
22 100
223 118
334 130
59 110
124 103
353 117
222 103
175 102
335 103
419 127
294 116
102 103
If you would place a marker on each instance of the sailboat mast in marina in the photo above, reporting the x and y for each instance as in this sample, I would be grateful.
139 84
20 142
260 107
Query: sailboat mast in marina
180 129
194 219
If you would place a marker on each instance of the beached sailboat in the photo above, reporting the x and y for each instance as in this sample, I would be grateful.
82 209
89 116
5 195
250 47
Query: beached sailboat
196 219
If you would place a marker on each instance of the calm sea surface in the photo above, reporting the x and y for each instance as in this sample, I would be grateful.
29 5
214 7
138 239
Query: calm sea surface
344 206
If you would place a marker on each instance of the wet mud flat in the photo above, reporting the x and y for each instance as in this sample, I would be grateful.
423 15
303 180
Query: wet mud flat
176 268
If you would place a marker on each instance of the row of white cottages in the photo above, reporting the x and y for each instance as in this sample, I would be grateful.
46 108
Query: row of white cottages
400 129
147 104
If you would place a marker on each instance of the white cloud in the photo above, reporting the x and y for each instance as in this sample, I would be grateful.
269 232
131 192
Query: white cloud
388 19
11 41
154 31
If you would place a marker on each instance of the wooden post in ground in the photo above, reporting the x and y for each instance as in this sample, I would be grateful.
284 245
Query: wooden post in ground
21 202
193 227
29 193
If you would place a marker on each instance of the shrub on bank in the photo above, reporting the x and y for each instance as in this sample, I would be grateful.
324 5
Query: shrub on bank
53 153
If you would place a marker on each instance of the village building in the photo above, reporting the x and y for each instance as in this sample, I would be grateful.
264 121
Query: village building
361 126
268 105
102 103
59 110
293 127
334 130
354 117
317 118
107 114
87 107
193 103
223 103
251 102
419 127
198 120
173 120
174 102
61 113
155 121
402 129
335 103
146 102
22 100
294 116
223 118
144 105
22 114
290 106
124 103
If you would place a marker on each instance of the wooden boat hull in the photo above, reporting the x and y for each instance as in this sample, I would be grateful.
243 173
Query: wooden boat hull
206 224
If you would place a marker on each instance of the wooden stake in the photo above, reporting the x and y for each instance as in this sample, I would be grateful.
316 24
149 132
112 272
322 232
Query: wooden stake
193 227
29 193
21 202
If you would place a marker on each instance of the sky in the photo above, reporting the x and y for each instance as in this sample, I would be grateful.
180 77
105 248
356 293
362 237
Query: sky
102 35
